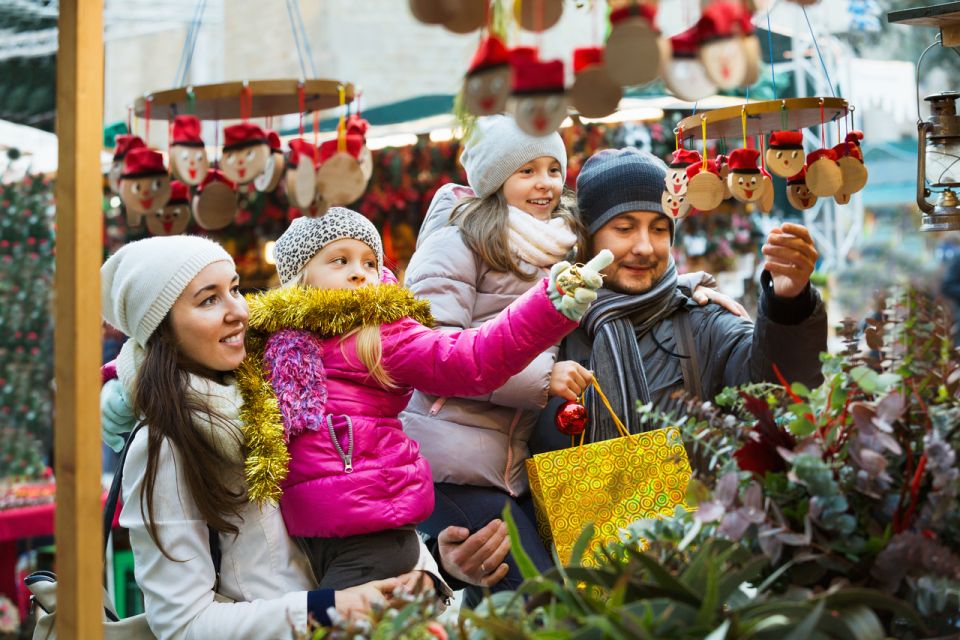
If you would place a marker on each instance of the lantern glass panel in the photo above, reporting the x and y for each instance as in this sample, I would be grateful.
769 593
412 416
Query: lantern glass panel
943 161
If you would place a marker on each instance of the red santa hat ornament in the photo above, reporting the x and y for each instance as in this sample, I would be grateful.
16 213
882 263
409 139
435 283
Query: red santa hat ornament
487 82
745 180
823 173
123 144
723 51
784 155
684 75
188 155
215 202
340 178
594 93
704 186
798 193
245 152
144 183
538 99
270 177
174 217
635 53
675 181
301 177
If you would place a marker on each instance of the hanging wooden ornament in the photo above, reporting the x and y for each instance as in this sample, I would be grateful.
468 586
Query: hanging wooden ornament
433 11
215 202
767 195
486 85
124 143
270 177
636 52
675 181
684 75
144 184
704 187
340 179
538 99
537 15
594 94
468 16
745 178
798 193
188 155
823 173
722 48
784 155
301 176
852 168
245 152
174 217
751 44
675 206
366 163
723 168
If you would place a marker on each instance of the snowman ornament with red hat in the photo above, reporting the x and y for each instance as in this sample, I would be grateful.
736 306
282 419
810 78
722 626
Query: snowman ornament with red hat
798 194
268 180
144 184
538 99
341 178
301 176
124 143
676 179
487 82
245 152
784 153
745 180
215 201
174 217
852 169
188 155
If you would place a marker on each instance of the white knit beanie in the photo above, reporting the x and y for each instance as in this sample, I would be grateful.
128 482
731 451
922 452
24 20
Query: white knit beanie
498 147
141 281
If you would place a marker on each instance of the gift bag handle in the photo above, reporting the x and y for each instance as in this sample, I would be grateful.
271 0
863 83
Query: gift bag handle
603 398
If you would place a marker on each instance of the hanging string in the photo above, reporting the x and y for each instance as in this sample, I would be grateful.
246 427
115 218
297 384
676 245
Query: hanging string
763 161
773 75
703 133
823 127
819 55
189 45
303 37
301 99
130 119
743 124
783 115
342 123
246 101
146 117
316 128
694 112
296 41
191 101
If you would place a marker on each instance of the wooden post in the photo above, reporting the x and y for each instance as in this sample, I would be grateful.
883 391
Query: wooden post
77 331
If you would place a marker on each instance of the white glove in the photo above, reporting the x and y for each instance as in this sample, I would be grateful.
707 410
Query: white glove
573 288
116 414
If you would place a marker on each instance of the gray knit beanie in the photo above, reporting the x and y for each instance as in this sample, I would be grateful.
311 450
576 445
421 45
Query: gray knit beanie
141 281
616 181
498 147
307 236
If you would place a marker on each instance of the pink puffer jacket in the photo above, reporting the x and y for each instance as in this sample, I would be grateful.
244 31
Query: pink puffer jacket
384 482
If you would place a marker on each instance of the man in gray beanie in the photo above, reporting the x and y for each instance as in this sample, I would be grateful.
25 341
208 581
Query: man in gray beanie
645 339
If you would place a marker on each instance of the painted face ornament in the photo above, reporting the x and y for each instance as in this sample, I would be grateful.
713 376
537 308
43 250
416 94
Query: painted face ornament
784 156
144 184
486 85
188 155
538 99
245 152
124 144
684 75
676 179
798 194
723 51
174 217
745 180
675 206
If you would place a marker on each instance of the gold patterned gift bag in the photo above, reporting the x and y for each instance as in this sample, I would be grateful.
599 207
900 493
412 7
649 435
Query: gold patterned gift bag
610 484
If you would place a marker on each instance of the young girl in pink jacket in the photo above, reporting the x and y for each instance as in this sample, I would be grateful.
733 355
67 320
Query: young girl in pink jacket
334 356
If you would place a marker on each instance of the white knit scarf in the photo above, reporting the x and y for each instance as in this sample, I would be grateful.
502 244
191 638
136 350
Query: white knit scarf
222 432
541 243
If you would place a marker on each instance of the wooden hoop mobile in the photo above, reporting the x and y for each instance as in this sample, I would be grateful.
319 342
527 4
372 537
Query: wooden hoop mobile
222 101
762 117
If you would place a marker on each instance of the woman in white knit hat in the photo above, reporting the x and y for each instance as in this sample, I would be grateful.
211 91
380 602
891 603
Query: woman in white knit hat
178 300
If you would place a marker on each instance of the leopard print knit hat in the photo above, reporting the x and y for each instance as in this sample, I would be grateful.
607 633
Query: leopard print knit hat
307 236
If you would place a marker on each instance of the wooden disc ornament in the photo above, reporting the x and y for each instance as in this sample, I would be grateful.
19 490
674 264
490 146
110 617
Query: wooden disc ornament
594 93
675 182
366 163
486 85
767 195
174 217
784 156
301 176
704 186
745 180
684 76
852 168
538 100
188 155
798 194
124 143
537 15
340 179
823 173
144 184
245 152
468 16
269 179
675 206
723 52
433 11
635 50
215 203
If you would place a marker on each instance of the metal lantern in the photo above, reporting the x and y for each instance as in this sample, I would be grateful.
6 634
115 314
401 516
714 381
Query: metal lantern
938 163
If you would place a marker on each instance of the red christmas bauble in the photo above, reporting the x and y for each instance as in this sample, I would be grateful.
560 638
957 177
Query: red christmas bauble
571 418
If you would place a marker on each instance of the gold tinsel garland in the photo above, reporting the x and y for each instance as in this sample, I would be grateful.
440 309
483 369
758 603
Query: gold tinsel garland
326 312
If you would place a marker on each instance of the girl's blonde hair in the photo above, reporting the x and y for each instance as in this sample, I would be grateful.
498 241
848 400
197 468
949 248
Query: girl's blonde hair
368 343
484 226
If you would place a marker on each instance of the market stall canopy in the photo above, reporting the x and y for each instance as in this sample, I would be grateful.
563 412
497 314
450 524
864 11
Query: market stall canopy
25 150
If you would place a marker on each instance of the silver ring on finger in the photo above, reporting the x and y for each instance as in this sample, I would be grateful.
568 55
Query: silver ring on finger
483 569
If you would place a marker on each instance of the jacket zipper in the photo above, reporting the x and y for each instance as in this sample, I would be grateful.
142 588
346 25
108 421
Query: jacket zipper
506 471
348 456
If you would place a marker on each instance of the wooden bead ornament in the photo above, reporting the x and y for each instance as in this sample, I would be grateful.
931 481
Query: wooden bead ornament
704 187
486 85
123 144
823 173
245 152
684 75
538 99
269 179
537 15
784 156
745 179
798 194
144 184
635 52
594 93
723 51
215 202
301 176
174 217
675 182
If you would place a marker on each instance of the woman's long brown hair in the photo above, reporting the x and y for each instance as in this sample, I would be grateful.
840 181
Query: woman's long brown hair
213 481
484 226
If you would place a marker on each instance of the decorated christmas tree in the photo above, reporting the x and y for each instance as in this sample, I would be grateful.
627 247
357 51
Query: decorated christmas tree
26 326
